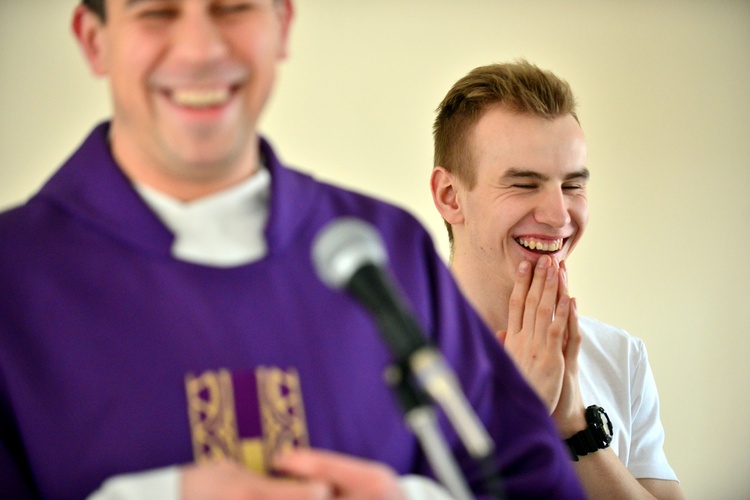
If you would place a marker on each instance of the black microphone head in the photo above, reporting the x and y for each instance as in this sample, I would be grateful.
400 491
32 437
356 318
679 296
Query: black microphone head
342 247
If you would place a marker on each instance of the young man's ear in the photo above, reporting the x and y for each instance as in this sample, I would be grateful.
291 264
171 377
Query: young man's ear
445 195
89 31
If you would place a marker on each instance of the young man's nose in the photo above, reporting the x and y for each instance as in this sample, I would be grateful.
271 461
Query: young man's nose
552 209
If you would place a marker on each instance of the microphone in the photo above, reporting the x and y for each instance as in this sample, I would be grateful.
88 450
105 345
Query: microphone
349 254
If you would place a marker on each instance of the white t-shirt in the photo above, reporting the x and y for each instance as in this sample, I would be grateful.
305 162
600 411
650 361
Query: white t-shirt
614 373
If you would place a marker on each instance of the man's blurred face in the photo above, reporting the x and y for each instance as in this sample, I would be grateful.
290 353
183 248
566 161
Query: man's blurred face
530 196
189 80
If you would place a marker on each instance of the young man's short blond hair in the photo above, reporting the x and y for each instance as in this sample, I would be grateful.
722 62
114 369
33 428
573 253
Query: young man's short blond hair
520 86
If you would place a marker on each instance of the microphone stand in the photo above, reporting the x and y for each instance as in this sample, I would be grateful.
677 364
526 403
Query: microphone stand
350 255
439 381
425 373
420 417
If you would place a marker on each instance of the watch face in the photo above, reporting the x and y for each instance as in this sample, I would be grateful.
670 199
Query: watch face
607 424
602 423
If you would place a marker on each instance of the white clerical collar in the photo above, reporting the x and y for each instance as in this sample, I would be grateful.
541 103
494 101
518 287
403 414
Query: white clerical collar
224 229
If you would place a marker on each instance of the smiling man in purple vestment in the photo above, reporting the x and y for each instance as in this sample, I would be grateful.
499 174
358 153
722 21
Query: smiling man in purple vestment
163 333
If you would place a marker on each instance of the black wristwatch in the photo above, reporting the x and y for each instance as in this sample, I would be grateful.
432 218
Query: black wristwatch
595 437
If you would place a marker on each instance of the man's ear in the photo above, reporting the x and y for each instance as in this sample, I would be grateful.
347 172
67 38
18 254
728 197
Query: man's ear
445 195
286 14
89 31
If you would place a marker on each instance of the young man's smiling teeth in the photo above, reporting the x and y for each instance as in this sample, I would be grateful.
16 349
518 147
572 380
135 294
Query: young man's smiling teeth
541 245
201 98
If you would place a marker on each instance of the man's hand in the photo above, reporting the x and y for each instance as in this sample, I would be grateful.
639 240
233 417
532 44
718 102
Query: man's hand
569 414
228 480
348 477
537 327
309 474
543 339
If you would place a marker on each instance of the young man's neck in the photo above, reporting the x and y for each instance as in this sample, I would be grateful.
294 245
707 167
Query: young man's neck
488 296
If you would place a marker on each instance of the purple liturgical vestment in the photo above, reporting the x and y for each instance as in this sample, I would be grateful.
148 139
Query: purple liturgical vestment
102 330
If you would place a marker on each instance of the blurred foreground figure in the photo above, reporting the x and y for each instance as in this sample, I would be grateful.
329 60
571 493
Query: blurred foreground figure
163 333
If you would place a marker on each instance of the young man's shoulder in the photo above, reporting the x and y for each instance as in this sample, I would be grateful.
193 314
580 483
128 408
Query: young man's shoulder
603 339
592 326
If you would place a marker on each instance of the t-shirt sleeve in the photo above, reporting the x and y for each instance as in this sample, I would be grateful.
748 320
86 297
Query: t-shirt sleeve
647 457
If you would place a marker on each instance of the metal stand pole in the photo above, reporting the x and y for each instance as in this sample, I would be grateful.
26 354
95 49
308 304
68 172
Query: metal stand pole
420 417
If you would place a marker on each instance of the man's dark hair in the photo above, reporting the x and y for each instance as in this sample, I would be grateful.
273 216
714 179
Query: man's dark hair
96 6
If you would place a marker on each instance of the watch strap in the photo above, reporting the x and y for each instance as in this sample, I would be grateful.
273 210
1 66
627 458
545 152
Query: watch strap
582 443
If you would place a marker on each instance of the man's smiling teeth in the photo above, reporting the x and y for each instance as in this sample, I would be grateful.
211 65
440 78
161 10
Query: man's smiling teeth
200 98
544 246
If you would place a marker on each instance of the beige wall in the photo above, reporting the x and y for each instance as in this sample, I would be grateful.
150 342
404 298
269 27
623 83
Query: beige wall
663 89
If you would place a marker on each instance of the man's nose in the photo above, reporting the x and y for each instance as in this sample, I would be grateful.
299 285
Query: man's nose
552 209
198 39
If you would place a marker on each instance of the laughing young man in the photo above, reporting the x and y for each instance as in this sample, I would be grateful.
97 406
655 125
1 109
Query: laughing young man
510 181
163 333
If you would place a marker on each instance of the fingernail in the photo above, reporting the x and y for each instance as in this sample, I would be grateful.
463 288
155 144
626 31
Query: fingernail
523 267
550 273
542 263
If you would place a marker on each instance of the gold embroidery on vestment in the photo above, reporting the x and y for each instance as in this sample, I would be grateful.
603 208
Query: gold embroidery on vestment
213 417
281 409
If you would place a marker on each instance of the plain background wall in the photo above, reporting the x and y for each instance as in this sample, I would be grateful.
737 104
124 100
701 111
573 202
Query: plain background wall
663 93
